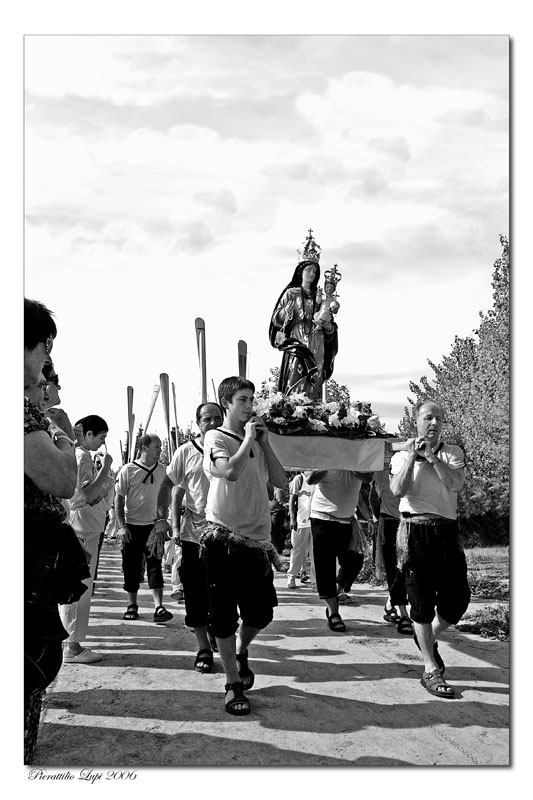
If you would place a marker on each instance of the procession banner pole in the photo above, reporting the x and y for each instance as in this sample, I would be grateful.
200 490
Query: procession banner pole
131 421
164 383
175 410
214 391
242 348
199 325
153 400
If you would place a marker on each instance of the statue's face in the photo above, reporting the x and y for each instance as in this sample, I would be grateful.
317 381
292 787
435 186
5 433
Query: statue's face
309 274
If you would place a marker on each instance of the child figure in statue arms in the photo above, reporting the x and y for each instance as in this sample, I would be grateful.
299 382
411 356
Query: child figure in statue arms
327 300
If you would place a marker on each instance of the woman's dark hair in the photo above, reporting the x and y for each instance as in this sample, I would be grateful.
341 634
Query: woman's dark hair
208 403
38 324
297 275
230 386
93 423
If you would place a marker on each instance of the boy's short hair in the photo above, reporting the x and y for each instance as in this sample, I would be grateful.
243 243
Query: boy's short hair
93 423
230 386
147 439
203 405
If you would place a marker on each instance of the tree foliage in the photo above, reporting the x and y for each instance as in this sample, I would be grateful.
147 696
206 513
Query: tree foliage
472 386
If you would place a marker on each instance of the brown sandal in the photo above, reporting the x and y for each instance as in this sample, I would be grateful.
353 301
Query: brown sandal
434 683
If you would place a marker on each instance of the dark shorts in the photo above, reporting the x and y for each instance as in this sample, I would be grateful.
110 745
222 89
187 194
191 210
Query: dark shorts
436 573
132 561
241 583
193 574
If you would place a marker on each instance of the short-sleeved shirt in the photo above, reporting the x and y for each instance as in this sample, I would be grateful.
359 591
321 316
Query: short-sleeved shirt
427 493
303 491
389 503
186 471
140 487
86 518
336 496
242 505
36 502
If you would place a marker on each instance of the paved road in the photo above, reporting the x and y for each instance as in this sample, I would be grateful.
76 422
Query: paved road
320 699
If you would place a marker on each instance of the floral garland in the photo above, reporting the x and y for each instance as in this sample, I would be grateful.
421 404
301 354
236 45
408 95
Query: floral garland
296 414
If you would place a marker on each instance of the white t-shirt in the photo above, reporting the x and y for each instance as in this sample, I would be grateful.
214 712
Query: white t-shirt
186 471
428 494
135 484
336 496
86 518
241 506
389 503
304 491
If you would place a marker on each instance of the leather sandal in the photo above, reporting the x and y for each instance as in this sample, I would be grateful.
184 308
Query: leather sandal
132 612
335 622
405 626
434 683
245 673
238 699
203 661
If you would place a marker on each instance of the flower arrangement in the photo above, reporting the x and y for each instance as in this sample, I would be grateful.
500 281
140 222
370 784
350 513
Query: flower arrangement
297 414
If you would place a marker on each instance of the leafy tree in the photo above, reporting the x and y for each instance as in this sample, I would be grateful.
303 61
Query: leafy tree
472 386
336 392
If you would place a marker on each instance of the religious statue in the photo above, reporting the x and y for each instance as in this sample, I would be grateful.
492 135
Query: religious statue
303 326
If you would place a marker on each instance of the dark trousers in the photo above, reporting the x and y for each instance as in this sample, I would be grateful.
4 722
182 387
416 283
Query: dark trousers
193 575
331 541
277 530
395 577
132 557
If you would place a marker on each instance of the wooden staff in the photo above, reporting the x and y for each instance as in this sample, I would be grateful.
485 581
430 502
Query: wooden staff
131 420
243 355
199 325
165 397
175 410
214 390
153 400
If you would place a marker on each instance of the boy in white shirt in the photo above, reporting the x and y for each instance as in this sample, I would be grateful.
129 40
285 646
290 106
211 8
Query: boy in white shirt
238 461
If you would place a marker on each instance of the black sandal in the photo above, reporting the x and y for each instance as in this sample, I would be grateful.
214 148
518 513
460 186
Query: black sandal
434 683
335 622
391 615
405 626
245 673
436 655
238 699
203 661
132 612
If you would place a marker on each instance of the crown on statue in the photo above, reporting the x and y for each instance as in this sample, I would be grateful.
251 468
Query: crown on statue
311 250
332 276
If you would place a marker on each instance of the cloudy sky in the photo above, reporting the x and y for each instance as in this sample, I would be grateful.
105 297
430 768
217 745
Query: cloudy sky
174 177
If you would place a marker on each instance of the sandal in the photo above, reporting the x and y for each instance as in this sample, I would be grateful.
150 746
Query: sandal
436 655
335 622
245 673
238 699
434 683
162 615
391 615
132 612
203 661
405 626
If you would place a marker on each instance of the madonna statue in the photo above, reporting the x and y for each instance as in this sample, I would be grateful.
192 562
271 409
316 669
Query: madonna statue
306 337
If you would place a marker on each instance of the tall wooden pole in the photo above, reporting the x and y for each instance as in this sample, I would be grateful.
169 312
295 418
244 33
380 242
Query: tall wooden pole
175 411
243 355
165 397
153 400
199 325
131 421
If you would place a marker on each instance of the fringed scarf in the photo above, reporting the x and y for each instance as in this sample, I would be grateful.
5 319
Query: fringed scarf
215 532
